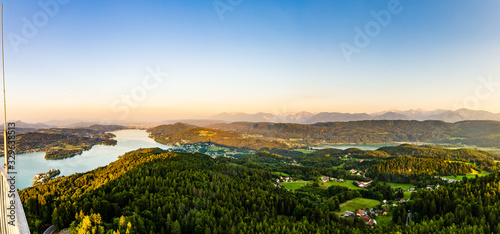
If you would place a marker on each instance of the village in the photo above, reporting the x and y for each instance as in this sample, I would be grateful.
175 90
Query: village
368 215
379 210
448 180
210 149
45 177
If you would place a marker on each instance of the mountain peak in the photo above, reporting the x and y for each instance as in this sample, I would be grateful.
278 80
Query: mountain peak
305 117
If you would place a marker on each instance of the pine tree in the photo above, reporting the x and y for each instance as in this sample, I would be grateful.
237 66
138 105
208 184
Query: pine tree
176 228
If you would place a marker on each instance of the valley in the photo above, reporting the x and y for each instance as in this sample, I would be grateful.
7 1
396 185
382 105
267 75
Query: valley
212 166
296 185
232 116
258 135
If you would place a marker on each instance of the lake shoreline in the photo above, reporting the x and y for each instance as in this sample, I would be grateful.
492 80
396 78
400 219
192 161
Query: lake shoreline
29 164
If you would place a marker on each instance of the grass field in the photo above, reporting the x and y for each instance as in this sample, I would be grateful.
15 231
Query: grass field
469 176
346 183
217 149
462 162
384 220
460 177
403 186
456 138
280 173
294 185
358 203
340 166
304 151
406 195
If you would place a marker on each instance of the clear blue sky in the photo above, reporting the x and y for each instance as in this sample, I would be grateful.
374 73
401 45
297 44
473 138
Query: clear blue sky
268 56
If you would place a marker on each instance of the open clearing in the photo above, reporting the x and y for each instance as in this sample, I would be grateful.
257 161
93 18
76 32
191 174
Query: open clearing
384 220
304 151
339 166
358 203
346 183
469 176
217 148
280 173
294 185
403 186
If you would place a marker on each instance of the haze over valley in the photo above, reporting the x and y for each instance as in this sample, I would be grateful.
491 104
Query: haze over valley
230 116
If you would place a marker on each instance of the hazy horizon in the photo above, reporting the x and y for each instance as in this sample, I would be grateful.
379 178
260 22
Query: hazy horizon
213 117
129 61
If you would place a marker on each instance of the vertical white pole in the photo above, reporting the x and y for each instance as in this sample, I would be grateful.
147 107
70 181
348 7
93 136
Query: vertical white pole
5 147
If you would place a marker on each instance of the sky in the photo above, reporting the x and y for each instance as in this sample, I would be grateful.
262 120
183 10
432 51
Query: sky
152 60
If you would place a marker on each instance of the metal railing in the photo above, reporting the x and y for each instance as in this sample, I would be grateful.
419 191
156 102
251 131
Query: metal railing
12 217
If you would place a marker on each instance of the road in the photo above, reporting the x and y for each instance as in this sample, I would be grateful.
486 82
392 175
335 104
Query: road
50 230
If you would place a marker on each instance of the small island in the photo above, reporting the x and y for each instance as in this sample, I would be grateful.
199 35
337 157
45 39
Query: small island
59 143
65 153
77 146
44 177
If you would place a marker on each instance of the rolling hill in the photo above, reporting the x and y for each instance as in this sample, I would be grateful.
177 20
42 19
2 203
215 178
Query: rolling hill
180 133
154 191
479 133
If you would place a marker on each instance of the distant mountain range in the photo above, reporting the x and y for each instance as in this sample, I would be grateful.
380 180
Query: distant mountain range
21 124
71 123
300 117
311 118
62 124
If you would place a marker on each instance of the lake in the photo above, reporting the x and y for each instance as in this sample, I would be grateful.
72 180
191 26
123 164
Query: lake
361 147
29 164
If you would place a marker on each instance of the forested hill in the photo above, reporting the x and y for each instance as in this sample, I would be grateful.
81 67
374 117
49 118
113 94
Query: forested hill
472 206
64 142
180 133
364 132
480 133
152 191
156 191
433 151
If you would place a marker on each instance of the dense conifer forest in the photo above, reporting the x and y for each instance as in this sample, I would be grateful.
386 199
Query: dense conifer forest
155 191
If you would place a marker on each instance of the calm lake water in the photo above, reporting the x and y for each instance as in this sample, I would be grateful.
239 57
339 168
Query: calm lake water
361 147
100 155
